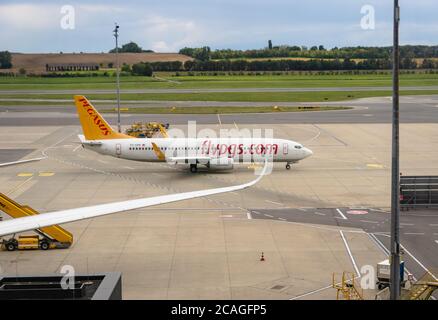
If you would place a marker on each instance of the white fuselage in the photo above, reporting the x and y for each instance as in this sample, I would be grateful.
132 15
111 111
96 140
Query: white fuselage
239 149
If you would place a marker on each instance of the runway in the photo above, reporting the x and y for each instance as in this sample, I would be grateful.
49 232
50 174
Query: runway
218 90
413 109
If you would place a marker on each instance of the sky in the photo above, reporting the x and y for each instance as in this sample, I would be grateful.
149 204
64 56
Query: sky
169 25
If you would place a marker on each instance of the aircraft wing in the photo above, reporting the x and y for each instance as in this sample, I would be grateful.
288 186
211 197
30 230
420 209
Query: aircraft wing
59 217
195 159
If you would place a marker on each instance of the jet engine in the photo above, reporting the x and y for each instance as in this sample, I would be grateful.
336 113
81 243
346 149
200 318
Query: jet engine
221 164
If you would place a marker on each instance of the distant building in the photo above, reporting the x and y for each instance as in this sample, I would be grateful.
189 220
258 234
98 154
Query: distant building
50 67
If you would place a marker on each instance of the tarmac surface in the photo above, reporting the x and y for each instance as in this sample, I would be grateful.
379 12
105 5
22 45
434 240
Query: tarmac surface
10 155
210 248
413 109
418 230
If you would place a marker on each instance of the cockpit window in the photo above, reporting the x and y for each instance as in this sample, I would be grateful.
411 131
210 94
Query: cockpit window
298 147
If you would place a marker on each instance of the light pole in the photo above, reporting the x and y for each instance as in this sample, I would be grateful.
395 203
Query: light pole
395 190
116 35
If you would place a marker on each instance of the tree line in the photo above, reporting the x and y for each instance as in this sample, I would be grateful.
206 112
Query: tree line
314 52
147 69
5 60
130 47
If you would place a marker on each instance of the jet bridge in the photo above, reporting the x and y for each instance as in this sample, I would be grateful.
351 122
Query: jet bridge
52 237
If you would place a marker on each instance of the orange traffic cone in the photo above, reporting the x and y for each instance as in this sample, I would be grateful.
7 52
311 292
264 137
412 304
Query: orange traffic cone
262 258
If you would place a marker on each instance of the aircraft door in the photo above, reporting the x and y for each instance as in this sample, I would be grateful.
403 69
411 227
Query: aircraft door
118 149
285 148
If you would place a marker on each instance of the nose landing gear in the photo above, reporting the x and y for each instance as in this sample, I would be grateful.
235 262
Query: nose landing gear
288 166
193 168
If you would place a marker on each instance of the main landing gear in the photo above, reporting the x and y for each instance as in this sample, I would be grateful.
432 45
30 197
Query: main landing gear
193 168
288 166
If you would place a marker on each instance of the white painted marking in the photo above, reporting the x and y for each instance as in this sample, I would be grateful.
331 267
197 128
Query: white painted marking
277 203
320 213
281 219
268 215
419 263
302 209
414 233
129 168
368 221
75 149
311 292
20 161
349 253
102 161
379 244
235 125
407 224
219 119
433 225
341 214
385 251
436 241
226 216
256 212
10 192
248 214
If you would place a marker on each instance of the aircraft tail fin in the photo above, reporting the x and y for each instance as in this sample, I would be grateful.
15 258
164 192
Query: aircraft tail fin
93 124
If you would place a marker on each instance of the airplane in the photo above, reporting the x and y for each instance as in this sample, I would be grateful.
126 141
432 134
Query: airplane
12 226
213 153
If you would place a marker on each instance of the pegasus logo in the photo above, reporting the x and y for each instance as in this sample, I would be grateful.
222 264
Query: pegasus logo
96 119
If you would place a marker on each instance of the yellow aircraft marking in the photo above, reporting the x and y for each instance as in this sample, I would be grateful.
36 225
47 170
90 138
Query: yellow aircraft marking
375 166
25 174
254 166
158 152
46 174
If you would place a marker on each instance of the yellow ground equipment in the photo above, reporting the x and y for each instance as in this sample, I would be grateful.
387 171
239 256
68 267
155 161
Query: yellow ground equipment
51 237
347 289
147 130
422 289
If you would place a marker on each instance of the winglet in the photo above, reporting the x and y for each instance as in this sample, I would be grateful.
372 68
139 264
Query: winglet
160 155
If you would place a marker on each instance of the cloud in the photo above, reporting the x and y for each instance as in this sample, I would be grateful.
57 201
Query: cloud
28 16
31 26
169 34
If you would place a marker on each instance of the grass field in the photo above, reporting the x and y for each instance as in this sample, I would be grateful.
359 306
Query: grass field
223 110
195 82
220 96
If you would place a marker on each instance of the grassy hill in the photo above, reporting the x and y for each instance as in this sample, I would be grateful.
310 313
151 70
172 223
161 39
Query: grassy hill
36 62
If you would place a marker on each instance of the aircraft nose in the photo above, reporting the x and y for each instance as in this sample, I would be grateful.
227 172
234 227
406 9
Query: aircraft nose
308 152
